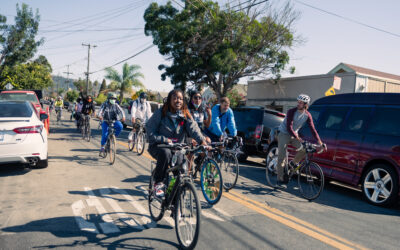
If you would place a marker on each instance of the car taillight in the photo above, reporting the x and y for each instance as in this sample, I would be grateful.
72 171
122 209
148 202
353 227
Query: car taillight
258 132
29 130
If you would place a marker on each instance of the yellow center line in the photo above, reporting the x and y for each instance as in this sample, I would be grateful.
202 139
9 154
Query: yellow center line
292 218
286 219
289 223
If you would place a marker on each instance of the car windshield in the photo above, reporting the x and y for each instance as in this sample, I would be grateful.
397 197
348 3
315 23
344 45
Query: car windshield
18 97
9 109
248 118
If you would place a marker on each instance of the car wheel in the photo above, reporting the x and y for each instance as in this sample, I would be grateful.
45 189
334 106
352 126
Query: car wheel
272 158
380 185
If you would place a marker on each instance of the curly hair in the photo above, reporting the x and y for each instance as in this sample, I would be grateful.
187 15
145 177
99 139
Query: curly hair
167 104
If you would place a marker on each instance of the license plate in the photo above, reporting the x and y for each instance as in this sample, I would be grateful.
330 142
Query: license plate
1 136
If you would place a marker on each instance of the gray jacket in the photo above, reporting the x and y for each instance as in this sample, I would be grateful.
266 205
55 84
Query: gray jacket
159 129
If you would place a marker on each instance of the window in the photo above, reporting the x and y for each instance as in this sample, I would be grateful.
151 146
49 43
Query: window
248 119
15 110
19 97
334 117
385 121
357 119
315 111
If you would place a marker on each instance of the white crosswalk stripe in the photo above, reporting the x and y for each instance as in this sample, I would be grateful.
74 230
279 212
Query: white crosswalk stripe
140 221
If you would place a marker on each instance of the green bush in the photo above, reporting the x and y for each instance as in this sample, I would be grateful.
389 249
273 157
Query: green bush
72 95
100 99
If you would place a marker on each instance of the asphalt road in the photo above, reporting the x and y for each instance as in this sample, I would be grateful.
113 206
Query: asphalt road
80 201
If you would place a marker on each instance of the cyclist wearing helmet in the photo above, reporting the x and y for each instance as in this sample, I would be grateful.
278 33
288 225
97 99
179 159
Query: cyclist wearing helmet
288 134
141 109
59 104
110 111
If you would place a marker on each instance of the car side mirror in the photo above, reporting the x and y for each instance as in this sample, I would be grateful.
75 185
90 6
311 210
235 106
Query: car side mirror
43 117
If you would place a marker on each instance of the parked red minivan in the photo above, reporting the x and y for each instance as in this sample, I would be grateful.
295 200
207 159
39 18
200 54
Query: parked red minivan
362 131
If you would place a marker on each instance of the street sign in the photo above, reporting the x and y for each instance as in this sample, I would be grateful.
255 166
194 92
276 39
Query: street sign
9 86
330 91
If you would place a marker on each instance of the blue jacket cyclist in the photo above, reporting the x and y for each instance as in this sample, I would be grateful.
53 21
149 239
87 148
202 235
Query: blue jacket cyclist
222 118
110 111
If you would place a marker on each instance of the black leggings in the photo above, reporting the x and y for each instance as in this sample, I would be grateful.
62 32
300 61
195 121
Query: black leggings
163 156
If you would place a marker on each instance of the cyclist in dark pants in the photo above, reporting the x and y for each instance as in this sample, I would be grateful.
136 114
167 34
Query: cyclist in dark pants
171 123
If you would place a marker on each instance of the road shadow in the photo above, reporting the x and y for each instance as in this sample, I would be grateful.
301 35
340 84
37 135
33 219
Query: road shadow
67 227
333 195
14 169
93 161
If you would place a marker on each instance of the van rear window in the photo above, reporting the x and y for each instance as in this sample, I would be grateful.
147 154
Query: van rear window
246 118
386 121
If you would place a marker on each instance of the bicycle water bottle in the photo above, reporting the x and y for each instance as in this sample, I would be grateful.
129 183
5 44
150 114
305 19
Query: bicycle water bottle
171 185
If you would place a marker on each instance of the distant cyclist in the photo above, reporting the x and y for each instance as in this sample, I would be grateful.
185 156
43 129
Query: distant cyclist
59 104
141 109
110 111
222 118
289 134
88 106
78 112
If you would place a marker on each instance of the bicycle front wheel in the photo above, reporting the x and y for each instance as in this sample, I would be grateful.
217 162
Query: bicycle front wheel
87 132
141 143
187 216
211 181
229 170
113 149
311 181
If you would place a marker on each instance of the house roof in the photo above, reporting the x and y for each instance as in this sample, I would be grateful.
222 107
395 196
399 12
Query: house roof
345 67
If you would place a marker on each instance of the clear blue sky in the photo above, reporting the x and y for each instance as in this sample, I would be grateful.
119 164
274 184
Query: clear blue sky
329 39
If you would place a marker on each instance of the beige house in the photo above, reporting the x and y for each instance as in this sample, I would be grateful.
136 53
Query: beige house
208 93
282 95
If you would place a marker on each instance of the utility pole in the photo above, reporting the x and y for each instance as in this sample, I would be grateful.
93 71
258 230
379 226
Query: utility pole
68 73
88 59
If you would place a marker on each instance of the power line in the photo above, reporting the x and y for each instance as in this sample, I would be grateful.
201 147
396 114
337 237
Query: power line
251 5
89 30
126 59
348 19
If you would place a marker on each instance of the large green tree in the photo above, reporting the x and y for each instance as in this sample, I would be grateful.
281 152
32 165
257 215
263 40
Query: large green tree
31 75
124 82
18 41
214 46
103 86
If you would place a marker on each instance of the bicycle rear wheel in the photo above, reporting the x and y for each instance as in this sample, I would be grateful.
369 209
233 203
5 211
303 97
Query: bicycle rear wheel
131 144
112 148
187 216
211 181
140 143
229 170
271 174
311 181
156 207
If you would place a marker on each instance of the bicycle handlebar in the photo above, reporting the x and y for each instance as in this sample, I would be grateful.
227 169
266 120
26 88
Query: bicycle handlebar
312 148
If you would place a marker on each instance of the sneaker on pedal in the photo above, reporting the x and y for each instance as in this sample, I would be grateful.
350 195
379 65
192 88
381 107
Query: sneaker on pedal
102 150
292 165
159 189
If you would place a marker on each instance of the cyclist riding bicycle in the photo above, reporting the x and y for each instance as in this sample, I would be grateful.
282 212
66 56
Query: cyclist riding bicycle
88 106
78 112
59 104
171 123
110 111
141 109
288 134
222 118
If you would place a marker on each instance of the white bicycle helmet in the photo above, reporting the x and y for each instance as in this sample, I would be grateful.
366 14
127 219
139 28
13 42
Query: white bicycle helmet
304 98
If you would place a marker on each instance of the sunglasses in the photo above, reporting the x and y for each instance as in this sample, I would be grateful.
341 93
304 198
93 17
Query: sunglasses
197 97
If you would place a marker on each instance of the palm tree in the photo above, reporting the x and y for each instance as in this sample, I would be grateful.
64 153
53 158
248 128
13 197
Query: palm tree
129 78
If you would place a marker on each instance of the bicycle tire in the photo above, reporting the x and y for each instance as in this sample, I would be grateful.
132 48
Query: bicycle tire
271 175
212 190
112 149
313 176
140 146
229 180
131 145
190 241
151 198
88 132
